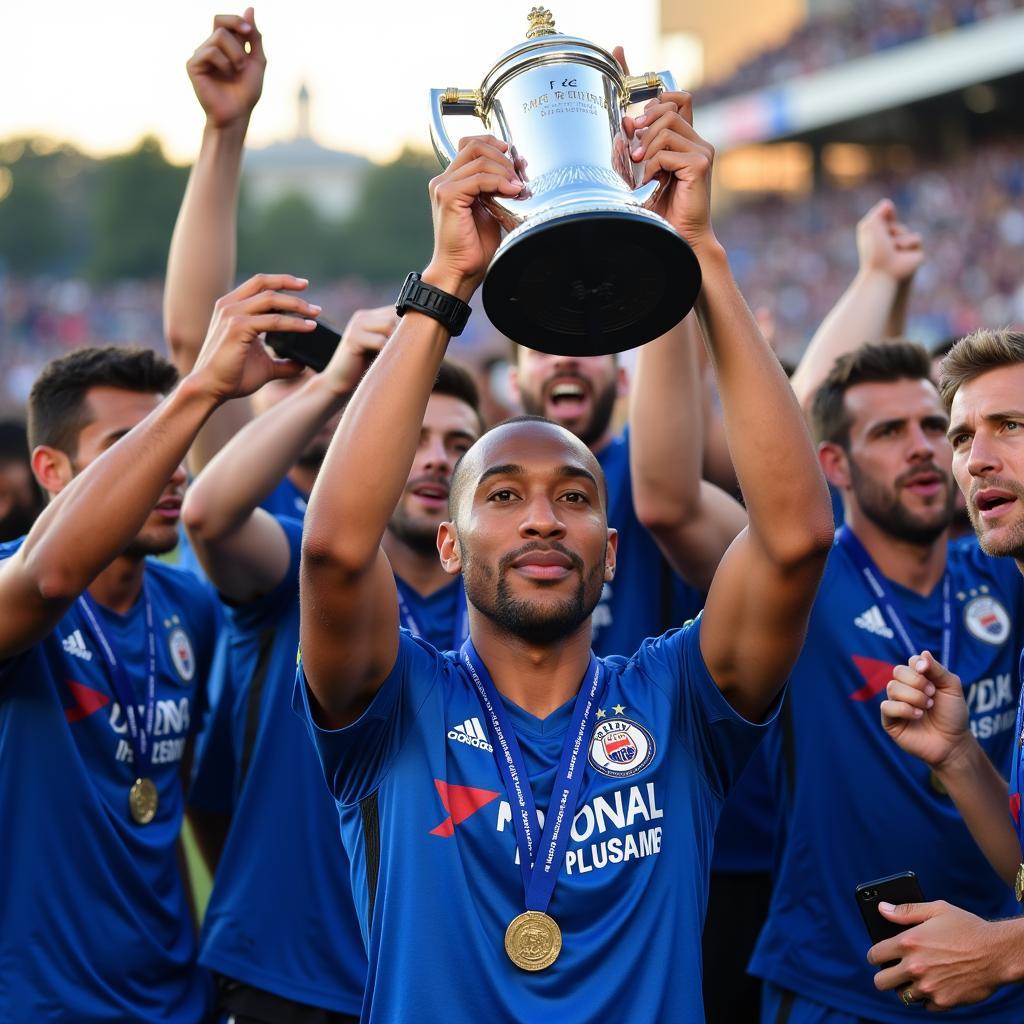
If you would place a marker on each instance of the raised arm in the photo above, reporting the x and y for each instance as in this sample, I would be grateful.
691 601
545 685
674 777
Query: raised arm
693 521
926 715
242 548
349 621
95 516
201 263
874 306
757 609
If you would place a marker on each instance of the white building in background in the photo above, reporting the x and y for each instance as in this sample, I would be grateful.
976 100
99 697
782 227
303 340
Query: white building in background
329 178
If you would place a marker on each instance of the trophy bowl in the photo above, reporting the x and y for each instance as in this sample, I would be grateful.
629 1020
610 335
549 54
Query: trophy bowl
586 267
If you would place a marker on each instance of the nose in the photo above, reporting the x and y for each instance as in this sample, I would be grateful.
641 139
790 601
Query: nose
922 446
179 477
435 457
540 520
983 459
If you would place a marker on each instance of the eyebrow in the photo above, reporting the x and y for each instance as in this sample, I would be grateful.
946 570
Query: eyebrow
992 417
512 469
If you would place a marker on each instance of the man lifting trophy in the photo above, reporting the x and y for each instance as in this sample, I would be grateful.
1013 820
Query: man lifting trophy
588 266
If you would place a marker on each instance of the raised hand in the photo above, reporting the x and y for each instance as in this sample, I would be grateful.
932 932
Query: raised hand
465 234
363 338
925 712
886 244
227 80
234 361
664 137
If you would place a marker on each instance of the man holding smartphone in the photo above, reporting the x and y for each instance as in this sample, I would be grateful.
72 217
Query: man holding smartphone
855 806
949 957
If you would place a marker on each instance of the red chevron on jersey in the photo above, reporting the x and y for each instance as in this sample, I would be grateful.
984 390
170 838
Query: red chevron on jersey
876 673
87 700
460 802
1015 808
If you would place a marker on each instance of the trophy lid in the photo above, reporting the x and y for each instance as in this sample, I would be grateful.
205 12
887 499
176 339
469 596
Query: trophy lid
544 44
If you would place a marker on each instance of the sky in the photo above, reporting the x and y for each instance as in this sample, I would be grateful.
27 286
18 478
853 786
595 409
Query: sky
103 74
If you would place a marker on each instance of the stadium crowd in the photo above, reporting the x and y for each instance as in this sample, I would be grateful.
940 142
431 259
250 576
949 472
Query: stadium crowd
855 30
521 718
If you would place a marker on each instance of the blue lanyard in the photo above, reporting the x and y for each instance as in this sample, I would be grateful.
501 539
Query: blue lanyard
540 859
1018 753
879 586
139 729
408 621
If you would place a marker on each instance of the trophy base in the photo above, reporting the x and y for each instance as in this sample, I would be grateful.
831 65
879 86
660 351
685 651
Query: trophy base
591 282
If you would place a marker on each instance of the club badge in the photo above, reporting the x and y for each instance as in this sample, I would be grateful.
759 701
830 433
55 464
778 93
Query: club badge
181 654
987 619
620 748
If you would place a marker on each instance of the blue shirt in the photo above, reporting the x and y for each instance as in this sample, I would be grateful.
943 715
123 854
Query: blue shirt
94 920
429 829
281 916
438 615
212 784
647 597
857 807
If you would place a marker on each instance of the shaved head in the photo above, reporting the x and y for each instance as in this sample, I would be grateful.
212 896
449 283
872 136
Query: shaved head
472 466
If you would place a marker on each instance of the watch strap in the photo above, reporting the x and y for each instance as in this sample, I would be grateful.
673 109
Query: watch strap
424 298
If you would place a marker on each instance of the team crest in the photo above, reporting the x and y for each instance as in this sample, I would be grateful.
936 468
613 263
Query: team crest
986 619
181 654
620 748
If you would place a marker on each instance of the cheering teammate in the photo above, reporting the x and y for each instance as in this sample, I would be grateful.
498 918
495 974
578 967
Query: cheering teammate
280 928
104 654
856 807
952 957
645 749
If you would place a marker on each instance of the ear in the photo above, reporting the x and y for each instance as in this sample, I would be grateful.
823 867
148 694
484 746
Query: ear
611 555
448 548
51 468
621 382
835 464
513 384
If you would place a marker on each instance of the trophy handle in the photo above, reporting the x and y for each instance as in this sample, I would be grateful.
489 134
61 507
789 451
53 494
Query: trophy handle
638 89
450 101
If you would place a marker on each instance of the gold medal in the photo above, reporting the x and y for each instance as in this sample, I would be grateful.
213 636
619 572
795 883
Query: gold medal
1018 885
142 801
533 941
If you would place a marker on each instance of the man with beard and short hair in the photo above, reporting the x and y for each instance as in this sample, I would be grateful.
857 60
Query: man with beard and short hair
445 836
855 806
949 956
103 660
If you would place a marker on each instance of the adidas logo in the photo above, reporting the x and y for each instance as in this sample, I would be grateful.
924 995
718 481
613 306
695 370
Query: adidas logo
471 732
874 622
75 645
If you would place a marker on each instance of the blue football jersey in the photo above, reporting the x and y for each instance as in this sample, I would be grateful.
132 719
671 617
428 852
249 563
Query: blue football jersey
94 919
646 597
429 830
440 618
281 916
858 808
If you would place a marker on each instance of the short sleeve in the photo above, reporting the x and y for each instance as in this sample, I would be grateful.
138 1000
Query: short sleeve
720 739
356 759
254 616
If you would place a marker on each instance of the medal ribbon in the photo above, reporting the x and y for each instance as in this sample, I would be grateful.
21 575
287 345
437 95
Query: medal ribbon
408 620
139 730
1018 754
540 856
879 586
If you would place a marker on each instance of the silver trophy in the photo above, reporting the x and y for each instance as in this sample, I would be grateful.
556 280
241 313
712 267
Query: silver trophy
587 267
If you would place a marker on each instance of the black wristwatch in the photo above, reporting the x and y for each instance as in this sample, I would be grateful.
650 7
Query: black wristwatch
421 297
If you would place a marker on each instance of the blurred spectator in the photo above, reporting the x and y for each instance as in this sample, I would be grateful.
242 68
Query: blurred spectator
793 256
868 26
20 498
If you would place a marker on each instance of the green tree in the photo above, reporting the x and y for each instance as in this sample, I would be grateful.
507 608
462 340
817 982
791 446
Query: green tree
286 237
137 199
390 232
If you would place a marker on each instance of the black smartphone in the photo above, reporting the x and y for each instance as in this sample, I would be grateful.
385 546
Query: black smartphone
895 889
313 348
